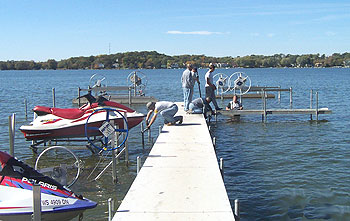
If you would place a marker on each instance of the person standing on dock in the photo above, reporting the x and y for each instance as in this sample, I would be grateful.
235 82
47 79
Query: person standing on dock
234 104
196 77
188 78
166 109
210 87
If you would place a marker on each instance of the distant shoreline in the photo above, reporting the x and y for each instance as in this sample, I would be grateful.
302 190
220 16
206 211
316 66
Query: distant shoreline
131 69
155 60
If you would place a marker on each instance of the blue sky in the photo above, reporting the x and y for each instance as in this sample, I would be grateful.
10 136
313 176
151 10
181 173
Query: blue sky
41 30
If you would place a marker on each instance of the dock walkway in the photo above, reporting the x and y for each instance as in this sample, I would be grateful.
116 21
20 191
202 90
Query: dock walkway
180 179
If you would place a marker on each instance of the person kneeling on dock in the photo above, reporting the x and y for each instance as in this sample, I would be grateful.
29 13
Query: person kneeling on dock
166 109
197 106
234 104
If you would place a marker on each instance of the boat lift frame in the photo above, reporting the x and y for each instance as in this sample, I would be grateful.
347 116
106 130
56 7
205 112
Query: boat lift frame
264 111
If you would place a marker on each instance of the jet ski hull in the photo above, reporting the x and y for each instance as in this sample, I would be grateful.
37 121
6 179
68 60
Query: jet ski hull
16 193
32 132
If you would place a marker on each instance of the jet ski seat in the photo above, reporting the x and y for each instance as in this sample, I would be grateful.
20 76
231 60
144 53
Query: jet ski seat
67 113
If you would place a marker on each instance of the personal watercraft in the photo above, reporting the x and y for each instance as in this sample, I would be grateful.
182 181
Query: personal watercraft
16 196
54 123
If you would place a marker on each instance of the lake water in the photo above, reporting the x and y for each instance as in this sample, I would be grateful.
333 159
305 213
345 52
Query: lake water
289 168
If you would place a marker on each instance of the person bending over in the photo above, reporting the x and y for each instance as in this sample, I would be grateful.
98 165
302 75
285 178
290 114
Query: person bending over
166 109
198 105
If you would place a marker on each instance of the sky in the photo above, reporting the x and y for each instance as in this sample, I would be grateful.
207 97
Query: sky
60 29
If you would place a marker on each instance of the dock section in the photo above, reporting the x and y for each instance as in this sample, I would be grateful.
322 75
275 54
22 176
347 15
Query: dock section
180 179
265 112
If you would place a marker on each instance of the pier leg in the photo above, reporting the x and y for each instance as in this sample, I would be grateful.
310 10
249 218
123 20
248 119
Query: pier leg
110 209
25 109
126 143
316 106
237 215
214 142
279 95
53 97
264 103
114 167
149 136
36 202
291 97
222 168
78 96
138 164
12 120
114 160
135 83
142 136
311 93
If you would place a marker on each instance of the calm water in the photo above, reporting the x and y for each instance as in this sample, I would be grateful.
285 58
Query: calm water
289 168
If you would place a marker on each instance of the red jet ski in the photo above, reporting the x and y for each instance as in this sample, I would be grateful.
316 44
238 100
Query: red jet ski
52 123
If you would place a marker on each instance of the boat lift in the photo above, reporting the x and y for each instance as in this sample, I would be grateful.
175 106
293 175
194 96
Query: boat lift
132 93
240 84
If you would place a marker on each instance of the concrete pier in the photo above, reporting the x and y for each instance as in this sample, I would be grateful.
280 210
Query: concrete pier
180 179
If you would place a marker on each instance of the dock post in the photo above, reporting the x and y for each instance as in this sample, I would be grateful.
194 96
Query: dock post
78 96
53 97
12 122
316 106
114 161
149 135
264 103
262 100
142 136
135 83
110 209
222 168
237 215
214 142
25 109
114 167
126 143
279 94
36 202
311 93
291 97
138 164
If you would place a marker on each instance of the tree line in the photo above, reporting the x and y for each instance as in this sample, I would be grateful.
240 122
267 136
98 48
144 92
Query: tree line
155 60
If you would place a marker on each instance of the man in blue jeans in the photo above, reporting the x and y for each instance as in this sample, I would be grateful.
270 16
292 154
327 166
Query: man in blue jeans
187 80
166 109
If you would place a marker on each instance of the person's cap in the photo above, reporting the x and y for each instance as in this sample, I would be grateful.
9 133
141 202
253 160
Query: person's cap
189 65
211 65
150 104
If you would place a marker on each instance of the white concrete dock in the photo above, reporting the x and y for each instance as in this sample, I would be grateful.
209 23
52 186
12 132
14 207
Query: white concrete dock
180 179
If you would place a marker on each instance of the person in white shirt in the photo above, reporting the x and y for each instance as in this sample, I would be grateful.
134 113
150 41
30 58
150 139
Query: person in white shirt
234 104
210 87
166 109
188 78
